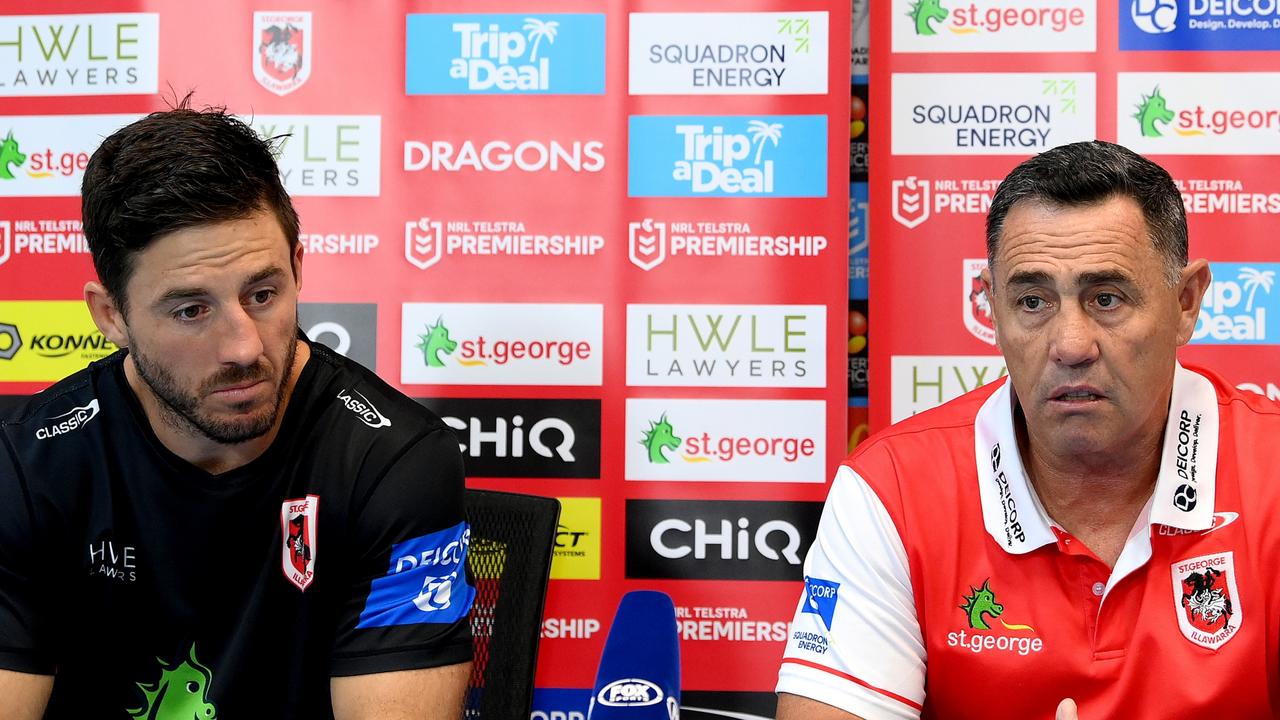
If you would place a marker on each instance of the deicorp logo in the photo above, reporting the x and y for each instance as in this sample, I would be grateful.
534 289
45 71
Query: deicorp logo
727 345
1239 308
501 344
728 53
735 440
550 54
98 54
994 26
1199 113
719 540
1199 25
727 156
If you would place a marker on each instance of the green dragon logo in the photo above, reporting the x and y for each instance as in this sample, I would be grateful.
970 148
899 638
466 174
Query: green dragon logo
180 693
434 342
659 437
1152 110
10 155
982 601
925 12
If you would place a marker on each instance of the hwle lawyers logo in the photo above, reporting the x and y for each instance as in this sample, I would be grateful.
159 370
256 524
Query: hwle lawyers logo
548 54
90 54
727 156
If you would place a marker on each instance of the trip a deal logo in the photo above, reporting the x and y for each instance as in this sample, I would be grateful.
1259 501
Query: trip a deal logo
501 344
90 54
45 155
550 54
994 25
1240 307
1199 113
47 340
725 440
1199 25
727 156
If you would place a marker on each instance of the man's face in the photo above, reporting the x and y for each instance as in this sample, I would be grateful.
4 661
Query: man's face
1088 324
212 326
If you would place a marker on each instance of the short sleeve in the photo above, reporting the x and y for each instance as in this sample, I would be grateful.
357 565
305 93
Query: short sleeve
409 596
23 644
855 641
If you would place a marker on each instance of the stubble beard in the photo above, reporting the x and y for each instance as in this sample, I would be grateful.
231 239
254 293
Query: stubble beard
181 410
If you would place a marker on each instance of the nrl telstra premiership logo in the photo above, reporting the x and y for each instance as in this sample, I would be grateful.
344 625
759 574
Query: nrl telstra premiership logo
423 242
647 243
911 201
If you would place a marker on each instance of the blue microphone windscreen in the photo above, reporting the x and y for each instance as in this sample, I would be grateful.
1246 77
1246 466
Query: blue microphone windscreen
639 675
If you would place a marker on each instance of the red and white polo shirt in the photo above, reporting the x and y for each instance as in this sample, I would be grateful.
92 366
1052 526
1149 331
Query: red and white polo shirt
939 588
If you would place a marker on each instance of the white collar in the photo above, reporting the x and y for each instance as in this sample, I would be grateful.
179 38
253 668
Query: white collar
1013 514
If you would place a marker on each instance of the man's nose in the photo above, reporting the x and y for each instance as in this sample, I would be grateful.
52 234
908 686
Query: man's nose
241 342
1074 338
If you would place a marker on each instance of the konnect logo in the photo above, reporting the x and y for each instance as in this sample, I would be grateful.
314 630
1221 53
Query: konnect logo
743 540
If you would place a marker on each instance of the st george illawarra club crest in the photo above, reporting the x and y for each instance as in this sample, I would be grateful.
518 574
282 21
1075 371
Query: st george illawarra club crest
977 306
281 50
1207 599
647 243
298 530
423 242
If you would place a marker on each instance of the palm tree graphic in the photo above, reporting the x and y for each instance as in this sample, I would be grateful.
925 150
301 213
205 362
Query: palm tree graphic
761 131
537 30
1254 279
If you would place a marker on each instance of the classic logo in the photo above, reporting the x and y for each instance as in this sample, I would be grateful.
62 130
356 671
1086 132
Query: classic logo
1207 599
718 540
524 438
45 155
326 155
1199 113
990 114
73 419
298 530
576 552
282 50
727 156
1239 307
501 344
778 53
630 692
910 201
89 54
726 345
647 243
1215 25
425 583
978 318
981 609
529 156
495 54
994 26
365 410
820 598
426 241
737 440
920 382
650 244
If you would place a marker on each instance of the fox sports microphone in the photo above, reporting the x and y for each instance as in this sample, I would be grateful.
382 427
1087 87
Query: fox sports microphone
639 675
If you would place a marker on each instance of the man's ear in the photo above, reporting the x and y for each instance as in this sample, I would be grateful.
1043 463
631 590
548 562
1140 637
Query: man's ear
106 314
988 287
1195 280
297 266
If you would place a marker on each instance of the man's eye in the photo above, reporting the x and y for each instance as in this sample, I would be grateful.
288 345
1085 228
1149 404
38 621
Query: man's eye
1031 302
263 296
1107 300
190 312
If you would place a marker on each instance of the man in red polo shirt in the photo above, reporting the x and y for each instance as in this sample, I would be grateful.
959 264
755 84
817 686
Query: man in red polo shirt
1094 532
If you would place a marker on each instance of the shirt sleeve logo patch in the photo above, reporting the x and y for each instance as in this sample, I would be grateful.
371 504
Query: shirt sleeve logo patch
298 529
425 583
1208 602
820 599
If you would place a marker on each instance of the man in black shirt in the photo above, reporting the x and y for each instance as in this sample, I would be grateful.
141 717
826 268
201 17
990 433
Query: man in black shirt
223 519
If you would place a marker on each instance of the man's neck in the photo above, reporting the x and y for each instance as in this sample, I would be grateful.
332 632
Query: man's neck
1096 499
183 440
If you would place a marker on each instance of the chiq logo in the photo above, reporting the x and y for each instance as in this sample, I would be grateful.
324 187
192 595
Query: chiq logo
733 545
511 441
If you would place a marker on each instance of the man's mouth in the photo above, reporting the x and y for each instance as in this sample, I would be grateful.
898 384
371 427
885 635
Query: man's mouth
1076 395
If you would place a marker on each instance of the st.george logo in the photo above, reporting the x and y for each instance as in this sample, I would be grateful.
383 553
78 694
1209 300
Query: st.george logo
282 50
298 529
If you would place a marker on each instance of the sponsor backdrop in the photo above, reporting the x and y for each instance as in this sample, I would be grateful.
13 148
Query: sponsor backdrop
1182 81
601 239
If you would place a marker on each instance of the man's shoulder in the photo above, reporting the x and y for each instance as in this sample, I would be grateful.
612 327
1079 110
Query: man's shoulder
1243 406
66 410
